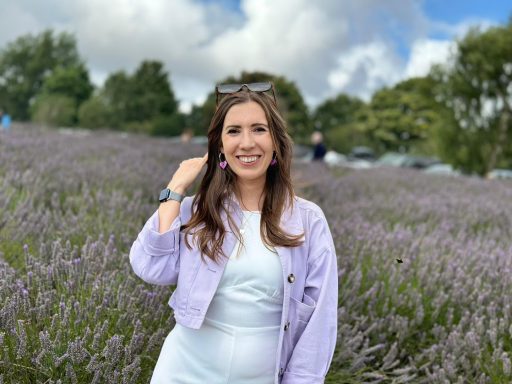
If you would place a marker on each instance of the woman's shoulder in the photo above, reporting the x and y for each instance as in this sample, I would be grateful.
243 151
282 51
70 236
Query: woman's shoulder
308 207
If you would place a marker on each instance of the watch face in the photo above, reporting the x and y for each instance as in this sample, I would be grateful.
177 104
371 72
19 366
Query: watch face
164 194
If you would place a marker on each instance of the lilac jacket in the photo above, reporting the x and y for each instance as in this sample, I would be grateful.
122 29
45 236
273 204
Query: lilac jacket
309 318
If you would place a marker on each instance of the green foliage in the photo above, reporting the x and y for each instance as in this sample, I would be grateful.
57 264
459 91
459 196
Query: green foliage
139 101
94 113
404 118
152 95
335 112
54 110
72 81
199 117
168 125
27 62
476 88
117 92
342 121
143 127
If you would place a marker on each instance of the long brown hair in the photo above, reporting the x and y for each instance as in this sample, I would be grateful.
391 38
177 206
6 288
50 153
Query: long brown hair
218 184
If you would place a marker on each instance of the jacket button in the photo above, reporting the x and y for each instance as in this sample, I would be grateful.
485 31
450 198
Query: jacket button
291 278
286 326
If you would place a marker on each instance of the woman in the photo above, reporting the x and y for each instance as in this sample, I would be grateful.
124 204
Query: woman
254 266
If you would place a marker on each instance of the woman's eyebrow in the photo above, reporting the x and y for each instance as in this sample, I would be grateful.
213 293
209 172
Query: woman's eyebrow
252 125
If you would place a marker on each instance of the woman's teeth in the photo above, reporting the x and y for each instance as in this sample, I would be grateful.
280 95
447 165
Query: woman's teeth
248 159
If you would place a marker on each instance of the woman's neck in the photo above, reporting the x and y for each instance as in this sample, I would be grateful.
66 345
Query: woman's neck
250 195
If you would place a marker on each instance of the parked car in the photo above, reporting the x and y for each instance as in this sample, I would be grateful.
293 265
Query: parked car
334 158
361 153
442 169
391 159
395 159
500 174
359 164
420 162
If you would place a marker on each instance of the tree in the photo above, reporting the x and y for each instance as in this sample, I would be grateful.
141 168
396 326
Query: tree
134 102
153 95
340 120
54 110
27 62
405 118
117 95
476 88
72 81
94 113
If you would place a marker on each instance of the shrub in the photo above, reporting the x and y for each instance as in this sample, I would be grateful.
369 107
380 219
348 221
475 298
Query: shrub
55 110
94 113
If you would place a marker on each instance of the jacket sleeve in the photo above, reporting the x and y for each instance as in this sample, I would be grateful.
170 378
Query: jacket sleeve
313 352
154 256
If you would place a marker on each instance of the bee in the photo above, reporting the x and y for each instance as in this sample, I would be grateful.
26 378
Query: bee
399 261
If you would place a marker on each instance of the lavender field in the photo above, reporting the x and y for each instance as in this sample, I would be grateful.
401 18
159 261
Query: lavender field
71 310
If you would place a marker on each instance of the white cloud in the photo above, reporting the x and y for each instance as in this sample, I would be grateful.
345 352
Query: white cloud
325 46
365 69
425 53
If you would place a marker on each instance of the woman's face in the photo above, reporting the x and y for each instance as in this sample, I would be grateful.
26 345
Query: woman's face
246 141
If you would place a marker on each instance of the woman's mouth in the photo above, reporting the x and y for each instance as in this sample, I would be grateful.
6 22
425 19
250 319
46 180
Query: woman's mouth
248 160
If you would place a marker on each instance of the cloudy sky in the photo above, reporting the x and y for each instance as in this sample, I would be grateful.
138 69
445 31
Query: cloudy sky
324 46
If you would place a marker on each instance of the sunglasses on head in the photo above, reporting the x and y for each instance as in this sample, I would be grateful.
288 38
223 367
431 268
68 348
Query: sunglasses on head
225 89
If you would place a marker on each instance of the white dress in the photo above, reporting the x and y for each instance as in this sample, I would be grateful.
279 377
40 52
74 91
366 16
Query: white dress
237 342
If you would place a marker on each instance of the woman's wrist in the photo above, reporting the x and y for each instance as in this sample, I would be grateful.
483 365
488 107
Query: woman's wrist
177 187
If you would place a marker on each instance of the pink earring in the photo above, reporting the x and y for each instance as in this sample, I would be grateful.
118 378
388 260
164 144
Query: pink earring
222 163
274 160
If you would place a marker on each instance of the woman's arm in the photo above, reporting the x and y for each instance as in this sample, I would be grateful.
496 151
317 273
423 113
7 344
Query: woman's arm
155 254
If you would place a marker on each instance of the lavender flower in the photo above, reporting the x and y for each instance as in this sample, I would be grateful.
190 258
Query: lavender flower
72 306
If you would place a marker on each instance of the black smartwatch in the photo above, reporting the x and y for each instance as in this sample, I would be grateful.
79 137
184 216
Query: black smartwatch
166 194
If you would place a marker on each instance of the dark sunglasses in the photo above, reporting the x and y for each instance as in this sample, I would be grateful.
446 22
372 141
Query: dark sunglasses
225 89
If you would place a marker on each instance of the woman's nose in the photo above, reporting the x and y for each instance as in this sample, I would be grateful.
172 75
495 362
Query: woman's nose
247 141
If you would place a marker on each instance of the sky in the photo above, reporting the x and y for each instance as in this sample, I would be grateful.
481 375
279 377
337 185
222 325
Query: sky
326 47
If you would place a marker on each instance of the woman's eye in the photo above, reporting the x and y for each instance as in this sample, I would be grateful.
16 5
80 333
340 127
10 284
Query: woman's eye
232 131
261 129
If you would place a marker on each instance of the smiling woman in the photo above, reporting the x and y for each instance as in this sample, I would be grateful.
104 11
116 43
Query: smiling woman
248 148
255 265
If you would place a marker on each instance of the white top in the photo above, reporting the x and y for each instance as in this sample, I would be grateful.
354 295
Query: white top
238 340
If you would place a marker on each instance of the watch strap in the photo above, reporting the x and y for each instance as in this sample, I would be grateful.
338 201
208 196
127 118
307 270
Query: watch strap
166 194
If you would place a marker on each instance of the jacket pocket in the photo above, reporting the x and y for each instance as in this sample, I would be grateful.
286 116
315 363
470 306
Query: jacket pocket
300 313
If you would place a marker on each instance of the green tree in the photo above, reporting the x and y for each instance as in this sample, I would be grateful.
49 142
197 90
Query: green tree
153 95
168 125
54 110
72 81
476 88
94 113
340 119
118 94
405 118
27 62
141 101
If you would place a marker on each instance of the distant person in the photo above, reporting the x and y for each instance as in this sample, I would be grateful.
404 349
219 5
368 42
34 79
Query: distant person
186 135
319 149
6 122
254 265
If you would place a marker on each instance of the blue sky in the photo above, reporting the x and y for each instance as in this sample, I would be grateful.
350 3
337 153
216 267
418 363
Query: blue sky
325 46
455 11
